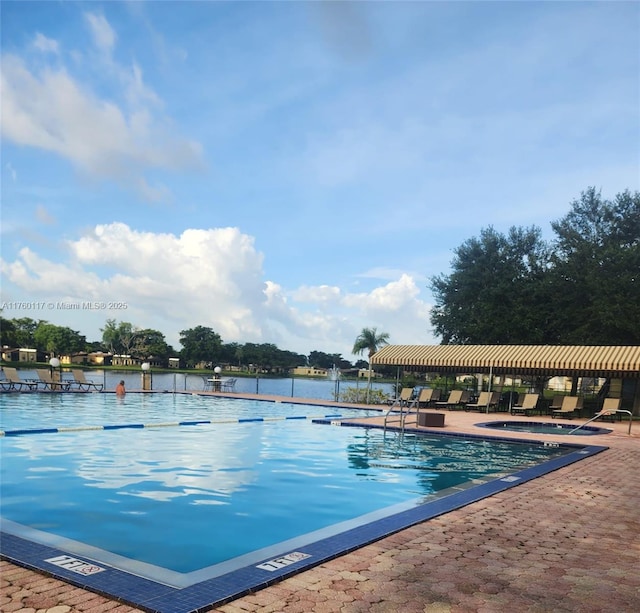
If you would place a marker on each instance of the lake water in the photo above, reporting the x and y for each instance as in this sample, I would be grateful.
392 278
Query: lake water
322 389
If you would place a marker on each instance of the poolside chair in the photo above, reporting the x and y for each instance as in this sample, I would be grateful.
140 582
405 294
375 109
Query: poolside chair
405 395
556 404
49 384
610 408
486 401
571 406
528 406
456 399
228 385
403 400
83 385
13 383
427 396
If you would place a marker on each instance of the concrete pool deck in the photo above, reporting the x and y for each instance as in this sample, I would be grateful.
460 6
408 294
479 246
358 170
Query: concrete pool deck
568 541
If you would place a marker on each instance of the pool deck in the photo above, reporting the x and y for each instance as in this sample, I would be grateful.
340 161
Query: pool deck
565 542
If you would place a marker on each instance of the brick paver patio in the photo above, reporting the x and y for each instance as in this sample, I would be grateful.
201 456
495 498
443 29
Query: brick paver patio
566 542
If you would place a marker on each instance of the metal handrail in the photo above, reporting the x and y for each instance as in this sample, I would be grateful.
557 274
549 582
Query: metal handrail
602 415
389 411
403 415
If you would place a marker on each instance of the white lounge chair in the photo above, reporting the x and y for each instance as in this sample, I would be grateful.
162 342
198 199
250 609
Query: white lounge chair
83 384
529 404
14 383
49 383
610 408
571 406
486 401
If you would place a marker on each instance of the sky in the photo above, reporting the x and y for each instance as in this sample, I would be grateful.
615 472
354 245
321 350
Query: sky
294 172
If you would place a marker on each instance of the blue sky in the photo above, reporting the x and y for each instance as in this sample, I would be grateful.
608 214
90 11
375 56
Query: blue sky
291 172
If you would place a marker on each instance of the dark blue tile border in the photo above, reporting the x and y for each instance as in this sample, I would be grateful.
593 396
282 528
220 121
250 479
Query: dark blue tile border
158 598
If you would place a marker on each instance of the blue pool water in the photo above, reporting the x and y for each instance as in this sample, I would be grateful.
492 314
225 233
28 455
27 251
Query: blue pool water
544 428
179 504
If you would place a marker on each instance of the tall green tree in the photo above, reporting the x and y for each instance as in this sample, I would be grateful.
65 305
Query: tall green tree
267 356
369 340
581 288
319 359
200 344
58 340
8 334
496 292
25 328
119 338
596 270
151 343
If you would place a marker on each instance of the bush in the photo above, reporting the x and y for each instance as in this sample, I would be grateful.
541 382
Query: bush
356 395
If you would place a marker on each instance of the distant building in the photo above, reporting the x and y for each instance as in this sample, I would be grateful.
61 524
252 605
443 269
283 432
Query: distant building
99 358
22 354
309 371
76 358
124 360
174 362
363 373
9 354
28 355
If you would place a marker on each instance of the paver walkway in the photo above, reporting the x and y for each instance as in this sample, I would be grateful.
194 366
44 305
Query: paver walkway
566 542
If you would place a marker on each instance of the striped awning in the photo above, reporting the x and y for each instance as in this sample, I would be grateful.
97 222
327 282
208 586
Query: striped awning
566 360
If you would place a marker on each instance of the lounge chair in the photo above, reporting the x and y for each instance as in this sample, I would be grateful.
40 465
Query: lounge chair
83 385
556 404
486 401
528 406
403 399
49 384
456 399
13 383
571 406
427 397
610 408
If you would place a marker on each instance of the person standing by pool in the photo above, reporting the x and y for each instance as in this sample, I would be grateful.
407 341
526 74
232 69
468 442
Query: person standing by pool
120 391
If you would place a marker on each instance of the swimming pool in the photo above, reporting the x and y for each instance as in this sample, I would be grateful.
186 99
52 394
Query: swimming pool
544 428
226 503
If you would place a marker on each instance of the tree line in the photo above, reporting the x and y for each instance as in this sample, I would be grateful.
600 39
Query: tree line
580 288
199 346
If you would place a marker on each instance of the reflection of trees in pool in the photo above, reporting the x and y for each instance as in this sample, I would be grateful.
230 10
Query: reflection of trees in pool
438 462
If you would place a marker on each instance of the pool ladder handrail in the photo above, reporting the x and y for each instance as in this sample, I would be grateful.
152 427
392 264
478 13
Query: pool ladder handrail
611 412
398 402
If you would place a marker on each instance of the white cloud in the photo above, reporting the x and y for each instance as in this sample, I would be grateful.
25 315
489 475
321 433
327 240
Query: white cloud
388 274
103 35
321 294
396 308
121 138
213 278
44 44
50 110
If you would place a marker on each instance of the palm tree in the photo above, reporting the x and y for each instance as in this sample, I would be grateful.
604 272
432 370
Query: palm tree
369 340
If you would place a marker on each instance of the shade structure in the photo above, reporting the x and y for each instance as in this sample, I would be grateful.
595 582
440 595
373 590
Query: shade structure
536 360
